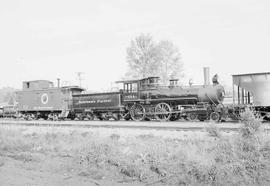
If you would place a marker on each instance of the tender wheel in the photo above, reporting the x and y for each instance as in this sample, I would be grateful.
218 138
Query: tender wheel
116 117
192 116
90 117
214 116
163 112
105 117
137 112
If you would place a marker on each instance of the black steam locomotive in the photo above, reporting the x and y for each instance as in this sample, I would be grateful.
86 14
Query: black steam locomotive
138 100
146 99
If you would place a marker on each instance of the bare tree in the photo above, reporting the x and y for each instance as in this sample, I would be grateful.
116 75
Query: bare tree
147 58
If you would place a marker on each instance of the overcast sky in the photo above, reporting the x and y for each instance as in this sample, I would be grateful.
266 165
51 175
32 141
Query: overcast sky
57 38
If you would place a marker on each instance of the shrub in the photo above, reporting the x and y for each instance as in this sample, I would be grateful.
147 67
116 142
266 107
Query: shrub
251 124
213 130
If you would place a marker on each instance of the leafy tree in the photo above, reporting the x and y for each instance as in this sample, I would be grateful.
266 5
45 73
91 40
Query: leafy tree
142 57
6 94
147 58
170 61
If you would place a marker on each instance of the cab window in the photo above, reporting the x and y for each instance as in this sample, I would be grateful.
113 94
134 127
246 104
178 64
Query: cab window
130 87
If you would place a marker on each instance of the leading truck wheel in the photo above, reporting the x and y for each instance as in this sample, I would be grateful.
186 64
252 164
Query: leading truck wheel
214 116
137 112
192 116
163 112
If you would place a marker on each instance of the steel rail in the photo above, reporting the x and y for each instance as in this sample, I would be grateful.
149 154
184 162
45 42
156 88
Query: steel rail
179 126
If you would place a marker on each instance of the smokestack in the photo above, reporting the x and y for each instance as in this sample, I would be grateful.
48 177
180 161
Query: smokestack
58 82
206 72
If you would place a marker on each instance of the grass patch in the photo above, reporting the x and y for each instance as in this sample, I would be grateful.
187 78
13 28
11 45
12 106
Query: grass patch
241 158
213 130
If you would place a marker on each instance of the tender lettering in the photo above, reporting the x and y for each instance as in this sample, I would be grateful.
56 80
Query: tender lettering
94 101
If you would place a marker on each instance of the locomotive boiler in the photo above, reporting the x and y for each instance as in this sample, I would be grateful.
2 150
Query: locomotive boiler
186 95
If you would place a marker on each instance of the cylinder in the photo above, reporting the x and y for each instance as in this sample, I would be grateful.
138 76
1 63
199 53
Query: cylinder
206 73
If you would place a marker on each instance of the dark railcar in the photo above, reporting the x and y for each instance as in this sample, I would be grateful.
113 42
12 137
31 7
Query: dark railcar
101 105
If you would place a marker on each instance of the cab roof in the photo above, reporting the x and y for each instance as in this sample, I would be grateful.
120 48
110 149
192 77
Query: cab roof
138 80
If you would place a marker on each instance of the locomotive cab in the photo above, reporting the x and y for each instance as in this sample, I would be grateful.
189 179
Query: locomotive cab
132 89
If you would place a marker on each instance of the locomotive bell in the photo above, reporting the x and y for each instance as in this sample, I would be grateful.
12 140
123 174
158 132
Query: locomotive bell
215 79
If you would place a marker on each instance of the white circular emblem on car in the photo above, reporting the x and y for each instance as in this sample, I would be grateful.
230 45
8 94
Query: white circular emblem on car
44 98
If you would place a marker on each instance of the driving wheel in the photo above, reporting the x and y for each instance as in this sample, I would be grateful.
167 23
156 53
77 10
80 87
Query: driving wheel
163 112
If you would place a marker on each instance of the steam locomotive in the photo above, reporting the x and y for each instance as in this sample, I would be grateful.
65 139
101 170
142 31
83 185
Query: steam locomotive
138 100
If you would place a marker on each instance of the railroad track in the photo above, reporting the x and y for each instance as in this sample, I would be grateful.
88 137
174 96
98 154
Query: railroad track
228 126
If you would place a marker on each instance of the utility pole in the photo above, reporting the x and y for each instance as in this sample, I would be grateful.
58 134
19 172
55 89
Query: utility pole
79 75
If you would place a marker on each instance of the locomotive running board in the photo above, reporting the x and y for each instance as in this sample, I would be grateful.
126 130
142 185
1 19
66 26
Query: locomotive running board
161 99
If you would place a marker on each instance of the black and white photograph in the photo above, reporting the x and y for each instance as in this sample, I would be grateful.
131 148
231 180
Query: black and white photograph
134 93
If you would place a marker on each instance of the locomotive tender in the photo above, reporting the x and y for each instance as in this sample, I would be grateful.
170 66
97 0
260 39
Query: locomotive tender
139 100
100 105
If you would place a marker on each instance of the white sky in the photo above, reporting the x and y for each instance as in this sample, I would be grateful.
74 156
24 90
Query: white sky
56 38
